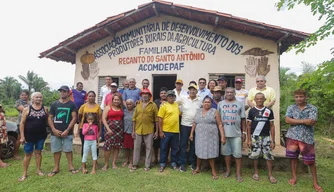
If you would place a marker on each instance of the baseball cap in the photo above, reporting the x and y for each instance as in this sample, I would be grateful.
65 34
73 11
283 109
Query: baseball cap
145 91
222 78
193 86
238 80
64 88
170 92
179 81
114 84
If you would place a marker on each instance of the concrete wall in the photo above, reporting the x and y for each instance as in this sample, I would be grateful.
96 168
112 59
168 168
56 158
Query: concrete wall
222 57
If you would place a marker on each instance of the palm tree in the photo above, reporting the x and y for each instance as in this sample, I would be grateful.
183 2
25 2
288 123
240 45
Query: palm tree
10 87
307 68
39 84
28 80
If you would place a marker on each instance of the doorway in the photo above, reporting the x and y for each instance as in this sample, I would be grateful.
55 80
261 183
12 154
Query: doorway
162 81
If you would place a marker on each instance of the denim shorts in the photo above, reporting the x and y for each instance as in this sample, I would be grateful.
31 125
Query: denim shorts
29 147
233 146
59 144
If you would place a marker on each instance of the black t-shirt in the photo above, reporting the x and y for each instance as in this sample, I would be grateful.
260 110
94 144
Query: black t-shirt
260 118
62 115
157 102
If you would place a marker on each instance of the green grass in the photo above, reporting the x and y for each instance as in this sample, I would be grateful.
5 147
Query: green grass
170 180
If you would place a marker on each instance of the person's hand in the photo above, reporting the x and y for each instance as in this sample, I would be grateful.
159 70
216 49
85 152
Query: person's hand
109 132
243 137
97 143
223 140
22 140
57 133
249 143
162 135
156 135
309 122
133 135
90 123
191 137
272 145
65 133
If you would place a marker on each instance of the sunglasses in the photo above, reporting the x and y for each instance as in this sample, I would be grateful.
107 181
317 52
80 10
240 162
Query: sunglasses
201 82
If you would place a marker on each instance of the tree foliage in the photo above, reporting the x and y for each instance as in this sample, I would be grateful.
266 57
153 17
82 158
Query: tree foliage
34 82
324 9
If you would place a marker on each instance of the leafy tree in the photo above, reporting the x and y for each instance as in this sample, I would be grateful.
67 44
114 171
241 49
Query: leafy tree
307 68
324 9
29 79
39 84
10 88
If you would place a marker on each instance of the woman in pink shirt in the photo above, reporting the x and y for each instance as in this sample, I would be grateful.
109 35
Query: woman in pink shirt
90 131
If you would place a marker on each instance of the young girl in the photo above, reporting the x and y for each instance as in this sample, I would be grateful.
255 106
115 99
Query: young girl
90 131
3 134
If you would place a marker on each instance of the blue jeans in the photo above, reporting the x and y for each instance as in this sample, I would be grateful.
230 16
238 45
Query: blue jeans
172 140
184 138
29 146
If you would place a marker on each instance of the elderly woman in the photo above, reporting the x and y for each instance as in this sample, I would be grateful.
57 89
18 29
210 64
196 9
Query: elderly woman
3 134
206 124
20 104
128 140
33 133
112 119
89 107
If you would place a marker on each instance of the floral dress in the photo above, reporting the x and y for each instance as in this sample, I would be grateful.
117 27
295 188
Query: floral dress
3 132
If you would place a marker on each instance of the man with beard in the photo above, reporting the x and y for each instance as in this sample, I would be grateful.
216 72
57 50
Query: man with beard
62 118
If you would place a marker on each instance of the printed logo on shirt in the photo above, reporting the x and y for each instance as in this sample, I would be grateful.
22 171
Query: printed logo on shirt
230 113
63 115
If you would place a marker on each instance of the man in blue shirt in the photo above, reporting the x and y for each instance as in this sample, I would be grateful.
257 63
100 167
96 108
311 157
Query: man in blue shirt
132 93
202 90
125 86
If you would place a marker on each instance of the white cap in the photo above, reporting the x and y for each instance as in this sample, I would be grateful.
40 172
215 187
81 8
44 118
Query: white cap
113 84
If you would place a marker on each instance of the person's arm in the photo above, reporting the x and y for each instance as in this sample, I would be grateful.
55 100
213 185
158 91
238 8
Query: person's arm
134 117
71 125
100 122
22 124
243 129
250 103
249 140
272 99
85 128
161 133
80 115
250 99
220 127
125 97
191 137
55 131
104 119
155 116
272 134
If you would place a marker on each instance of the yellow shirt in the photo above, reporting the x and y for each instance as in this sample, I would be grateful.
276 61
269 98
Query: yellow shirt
268 92
145 118
170 117
84 109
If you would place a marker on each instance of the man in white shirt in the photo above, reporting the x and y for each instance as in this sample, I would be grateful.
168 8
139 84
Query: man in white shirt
202 90
179 92
240 93
189 104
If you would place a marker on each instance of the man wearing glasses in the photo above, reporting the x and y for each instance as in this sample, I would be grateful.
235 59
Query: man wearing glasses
261 87
202 90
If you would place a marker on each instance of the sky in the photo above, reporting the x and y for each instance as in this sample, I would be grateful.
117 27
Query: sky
31 27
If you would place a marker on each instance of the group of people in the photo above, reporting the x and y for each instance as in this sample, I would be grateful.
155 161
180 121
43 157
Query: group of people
210 118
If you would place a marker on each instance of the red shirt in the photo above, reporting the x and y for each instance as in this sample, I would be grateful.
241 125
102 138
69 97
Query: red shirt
115 115
108 99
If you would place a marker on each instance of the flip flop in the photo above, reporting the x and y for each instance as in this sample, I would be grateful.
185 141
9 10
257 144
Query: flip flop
85 171
226 175
215 177
40 174
318 188
114 167
292 182
104 168
22 178
194 172
272 180
239 179
133 168
256 177
147 169
53 173
73 171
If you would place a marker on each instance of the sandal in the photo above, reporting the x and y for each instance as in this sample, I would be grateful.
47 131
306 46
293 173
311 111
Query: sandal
73 171
215 177
125 164
104 168
114 167
161 169
133 168
194 172
147 169
292 182
256 177
53 173
40 174
226 174
318 188
22 178
272 180
239 179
